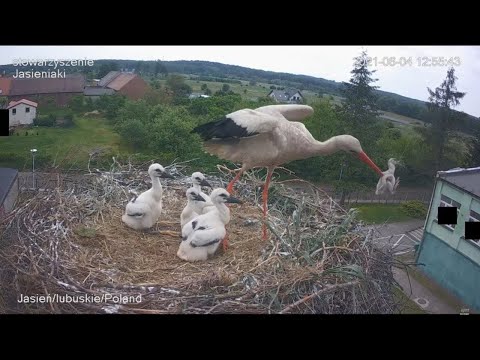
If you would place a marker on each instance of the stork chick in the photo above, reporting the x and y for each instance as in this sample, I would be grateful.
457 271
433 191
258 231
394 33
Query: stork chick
202 235
194 207
144 210
388 182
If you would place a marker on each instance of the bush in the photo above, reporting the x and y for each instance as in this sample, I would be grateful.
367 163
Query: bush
68 119
45 120
414 208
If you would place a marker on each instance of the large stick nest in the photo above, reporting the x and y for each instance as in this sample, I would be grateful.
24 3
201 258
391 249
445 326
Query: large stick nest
71 241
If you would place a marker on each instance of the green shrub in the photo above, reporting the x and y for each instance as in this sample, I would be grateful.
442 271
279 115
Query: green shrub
414 208
45 120
68 119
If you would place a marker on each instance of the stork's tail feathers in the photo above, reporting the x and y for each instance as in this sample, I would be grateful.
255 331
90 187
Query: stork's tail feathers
397 182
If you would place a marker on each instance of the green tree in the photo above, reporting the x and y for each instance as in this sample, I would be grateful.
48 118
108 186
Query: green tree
178 86
106 67
358 115
139 67
204 87
360 107
474 158
3 102
160 68
225 88
441 102
76 103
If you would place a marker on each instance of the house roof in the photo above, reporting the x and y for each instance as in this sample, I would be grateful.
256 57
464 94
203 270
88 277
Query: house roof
22 101
291 92
7 177
107 79
279 94
284 94
116 80
5 85
97 91
71 84
120 81
466 179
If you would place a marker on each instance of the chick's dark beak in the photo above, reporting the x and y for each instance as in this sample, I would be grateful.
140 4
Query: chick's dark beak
231 199
198 197
205 183
165 174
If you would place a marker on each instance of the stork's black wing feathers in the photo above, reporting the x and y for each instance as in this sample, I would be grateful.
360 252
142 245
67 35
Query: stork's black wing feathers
222 129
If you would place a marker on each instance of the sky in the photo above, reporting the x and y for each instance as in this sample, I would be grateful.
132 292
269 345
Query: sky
328 62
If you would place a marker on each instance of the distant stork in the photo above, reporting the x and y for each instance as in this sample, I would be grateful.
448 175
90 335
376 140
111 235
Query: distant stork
270 136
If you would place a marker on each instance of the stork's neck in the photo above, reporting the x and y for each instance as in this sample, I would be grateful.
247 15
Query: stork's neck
324 148
157 186
196 206
391 166
223 212
196 186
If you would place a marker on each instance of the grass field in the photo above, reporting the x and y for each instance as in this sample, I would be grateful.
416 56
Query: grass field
57 144
405 120
247 91
381 213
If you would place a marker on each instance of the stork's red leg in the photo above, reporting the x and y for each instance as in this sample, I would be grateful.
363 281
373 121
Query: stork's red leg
225 242
265 201
230 185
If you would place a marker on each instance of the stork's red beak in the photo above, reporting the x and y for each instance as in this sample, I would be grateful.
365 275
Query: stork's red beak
364 157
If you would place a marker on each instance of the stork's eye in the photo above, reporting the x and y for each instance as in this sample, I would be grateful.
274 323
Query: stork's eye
197 178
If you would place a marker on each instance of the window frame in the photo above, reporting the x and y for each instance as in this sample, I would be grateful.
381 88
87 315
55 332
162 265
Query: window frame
446 201
475 217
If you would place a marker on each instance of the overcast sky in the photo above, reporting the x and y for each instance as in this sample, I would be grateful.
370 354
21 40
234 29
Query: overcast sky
329 62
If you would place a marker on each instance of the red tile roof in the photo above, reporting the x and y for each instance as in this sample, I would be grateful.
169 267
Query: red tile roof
5 85
120 81
23 101
72 84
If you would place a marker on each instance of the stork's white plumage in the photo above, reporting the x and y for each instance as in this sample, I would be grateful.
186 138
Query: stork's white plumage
143 211
202 235
198 180
195 204
388 182
270 136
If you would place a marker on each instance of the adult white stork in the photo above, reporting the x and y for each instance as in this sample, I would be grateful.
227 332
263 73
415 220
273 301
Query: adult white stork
270 136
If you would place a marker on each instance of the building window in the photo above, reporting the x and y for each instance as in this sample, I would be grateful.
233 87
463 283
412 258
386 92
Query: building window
14 111
445 201
27 110
474 216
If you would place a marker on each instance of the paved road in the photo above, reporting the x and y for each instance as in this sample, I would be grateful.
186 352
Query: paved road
421 295
401 238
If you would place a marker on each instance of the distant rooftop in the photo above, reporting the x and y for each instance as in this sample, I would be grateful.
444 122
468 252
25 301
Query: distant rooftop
467 179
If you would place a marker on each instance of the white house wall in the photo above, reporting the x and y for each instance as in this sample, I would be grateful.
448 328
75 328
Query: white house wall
22 117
